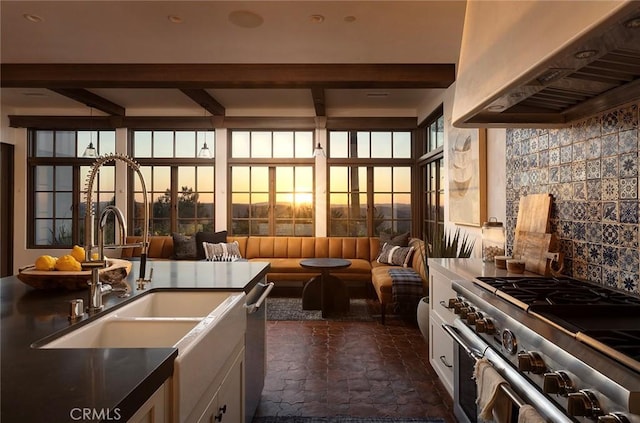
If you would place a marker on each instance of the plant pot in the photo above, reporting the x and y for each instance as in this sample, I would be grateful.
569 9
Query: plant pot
422 315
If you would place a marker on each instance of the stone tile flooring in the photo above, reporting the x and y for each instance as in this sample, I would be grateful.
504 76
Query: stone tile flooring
364 369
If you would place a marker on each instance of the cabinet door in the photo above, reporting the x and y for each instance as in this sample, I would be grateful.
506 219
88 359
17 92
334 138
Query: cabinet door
228 403
440 292
441 352
231 395
154 410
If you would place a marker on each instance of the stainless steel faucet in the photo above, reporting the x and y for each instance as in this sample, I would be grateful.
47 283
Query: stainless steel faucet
96 290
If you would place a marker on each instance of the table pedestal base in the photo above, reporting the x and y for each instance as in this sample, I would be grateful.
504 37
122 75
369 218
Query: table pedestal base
334 298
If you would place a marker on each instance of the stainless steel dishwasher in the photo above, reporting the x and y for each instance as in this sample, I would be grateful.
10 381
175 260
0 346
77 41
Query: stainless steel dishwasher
255 347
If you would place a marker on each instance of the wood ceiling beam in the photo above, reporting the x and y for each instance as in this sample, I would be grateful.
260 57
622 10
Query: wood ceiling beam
227 75
91 100
205 100
319 101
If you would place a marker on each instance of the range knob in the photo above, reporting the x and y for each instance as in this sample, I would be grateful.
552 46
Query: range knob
557 383
485 325
459 306
464 311
473 317
584 403
453 301
613 418
531 362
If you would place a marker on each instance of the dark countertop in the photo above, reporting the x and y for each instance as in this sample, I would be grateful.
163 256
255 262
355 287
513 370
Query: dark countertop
45 385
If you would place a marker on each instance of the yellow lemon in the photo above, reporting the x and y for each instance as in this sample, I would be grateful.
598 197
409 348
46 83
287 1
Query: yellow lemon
46 263
68 263
78 253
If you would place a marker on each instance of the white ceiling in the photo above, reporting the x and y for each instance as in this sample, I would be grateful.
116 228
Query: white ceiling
141 32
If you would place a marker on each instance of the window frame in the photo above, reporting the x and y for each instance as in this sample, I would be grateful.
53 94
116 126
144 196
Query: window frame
431 158
370 164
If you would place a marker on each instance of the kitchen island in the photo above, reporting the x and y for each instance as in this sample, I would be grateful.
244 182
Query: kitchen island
59 385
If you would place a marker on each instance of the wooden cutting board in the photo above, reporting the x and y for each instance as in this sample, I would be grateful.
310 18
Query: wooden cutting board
533 248
533 214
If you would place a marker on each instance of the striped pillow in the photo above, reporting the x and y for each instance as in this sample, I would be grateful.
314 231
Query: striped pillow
212 250
395 255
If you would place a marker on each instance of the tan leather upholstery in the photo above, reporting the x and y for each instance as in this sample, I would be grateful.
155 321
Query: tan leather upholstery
284 255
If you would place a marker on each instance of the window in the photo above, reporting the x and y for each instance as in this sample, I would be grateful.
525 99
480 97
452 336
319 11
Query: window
57 176
180 185
431 166
272 180
369 180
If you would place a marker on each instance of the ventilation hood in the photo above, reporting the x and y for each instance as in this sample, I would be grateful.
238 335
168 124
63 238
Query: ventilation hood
546 64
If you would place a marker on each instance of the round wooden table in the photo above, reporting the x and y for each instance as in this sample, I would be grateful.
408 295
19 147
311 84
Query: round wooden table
325 292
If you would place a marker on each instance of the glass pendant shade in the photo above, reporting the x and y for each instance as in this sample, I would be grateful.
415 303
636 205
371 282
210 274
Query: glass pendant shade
319 151
90 151
204 153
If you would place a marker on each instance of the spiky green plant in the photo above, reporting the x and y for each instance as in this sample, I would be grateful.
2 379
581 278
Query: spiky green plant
444 244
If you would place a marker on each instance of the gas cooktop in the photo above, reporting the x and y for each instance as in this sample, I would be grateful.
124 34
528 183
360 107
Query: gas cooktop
599 316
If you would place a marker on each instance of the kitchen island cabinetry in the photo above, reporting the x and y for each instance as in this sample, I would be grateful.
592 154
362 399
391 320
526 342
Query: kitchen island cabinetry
156 408
227 404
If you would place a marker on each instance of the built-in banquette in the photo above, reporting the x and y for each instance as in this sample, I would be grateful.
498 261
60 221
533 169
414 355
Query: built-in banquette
284 255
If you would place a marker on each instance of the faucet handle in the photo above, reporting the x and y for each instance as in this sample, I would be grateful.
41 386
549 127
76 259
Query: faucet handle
143 281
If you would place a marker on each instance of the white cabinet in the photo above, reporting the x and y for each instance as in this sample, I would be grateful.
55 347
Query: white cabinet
227 404
155 409
440 344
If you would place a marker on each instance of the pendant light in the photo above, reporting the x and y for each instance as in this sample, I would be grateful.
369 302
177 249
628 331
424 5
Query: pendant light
204 152
90 151
319 151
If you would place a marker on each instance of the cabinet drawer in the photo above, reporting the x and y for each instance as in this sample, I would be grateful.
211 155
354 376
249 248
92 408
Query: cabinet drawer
441 353
439 294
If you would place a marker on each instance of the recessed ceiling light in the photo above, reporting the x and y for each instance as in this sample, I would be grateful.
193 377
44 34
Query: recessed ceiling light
585 54
245 19
33 18
175 19
316 19
349 19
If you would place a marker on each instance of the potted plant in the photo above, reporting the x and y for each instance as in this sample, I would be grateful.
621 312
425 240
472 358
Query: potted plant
441 243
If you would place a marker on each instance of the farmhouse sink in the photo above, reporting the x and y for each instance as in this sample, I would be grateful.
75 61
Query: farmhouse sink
127 333
205 327
174 304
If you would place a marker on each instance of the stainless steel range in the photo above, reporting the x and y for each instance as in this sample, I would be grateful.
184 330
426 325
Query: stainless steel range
571 348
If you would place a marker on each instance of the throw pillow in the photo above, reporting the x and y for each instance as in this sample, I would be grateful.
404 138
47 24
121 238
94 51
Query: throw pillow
210 237
401 240
395 255
184 247
221 249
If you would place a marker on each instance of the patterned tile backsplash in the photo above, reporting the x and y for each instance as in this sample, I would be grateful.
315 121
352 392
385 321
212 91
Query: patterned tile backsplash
591 171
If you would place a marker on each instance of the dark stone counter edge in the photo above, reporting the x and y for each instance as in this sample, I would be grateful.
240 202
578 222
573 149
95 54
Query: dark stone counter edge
127 403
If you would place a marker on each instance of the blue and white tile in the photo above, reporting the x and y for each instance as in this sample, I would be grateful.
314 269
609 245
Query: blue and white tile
628 141
628 281
579 210
628 259
554 138
580 269
594 211
609 167
566 173
609 145
628 117
610 256
611 234
628 164
566 137
566 154
610 122
579 171
579 151
543 158
594 190
595 253
566 247
554 157
580 190
594 148
594 232
628 188
594 169
629 236
610 211
629 212
594 273
593 127
610 189
610 276
580 231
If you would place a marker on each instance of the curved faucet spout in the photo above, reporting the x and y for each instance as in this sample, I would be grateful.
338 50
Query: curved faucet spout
90 213
103 221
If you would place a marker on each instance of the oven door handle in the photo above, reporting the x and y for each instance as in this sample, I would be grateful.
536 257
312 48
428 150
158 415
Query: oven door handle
455 335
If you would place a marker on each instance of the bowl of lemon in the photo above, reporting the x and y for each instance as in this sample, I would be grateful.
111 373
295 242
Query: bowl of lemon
65 272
